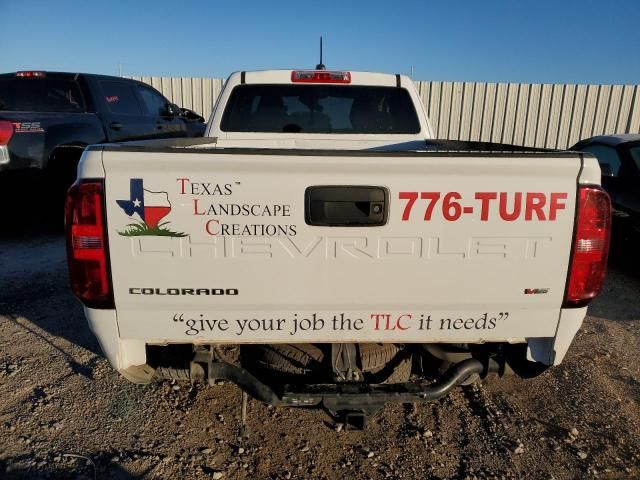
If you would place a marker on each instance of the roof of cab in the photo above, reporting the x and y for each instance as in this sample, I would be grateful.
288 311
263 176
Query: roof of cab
610 140
68 75
284 76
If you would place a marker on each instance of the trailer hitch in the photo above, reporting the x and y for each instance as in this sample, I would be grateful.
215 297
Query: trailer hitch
352 402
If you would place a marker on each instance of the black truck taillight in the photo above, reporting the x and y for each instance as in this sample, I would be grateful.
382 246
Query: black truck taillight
590 246
6 132
87 252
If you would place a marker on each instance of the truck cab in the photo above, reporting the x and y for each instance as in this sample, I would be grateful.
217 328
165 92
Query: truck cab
331 110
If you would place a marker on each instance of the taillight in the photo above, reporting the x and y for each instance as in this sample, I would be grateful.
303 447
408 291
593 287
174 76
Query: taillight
320 76
6 132
87 252
591 246
31 74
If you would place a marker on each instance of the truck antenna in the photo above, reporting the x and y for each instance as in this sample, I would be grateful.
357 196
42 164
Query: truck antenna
320 66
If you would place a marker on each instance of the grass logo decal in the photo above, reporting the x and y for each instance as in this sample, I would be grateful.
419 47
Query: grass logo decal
150 207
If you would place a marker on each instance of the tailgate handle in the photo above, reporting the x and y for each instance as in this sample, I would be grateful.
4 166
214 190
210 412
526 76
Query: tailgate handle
346 206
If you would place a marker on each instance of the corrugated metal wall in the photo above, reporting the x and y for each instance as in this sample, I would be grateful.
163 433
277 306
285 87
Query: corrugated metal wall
540 115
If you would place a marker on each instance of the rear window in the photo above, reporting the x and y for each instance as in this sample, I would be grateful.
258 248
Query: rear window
320 109
40 95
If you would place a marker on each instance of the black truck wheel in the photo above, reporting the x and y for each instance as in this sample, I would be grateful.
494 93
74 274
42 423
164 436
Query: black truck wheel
375 356
397 372
381 361
292 359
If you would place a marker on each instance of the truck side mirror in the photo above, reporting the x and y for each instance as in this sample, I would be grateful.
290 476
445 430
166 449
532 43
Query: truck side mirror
606 170
190 115
171 110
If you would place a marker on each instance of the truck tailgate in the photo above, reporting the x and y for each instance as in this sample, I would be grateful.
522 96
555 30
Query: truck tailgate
215 245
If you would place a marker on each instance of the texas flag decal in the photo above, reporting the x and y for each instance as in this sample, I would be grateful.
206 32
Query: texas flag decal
150 207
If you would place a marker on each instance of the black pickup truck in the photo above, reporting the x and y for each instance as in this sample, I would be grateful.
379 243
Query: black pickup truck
47 119
619 159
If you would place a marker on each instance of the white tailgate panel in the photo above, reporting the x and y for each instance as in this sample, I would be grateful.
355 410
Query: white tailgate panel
406 281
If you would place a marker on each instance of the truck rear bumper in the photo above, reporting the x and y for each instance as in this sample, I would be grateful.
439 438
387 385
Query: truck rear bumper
4 157
14 163
129 357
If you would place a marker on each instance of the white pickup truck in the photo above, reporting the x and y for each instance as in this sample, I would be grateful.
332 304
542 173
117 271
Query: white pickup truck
318 247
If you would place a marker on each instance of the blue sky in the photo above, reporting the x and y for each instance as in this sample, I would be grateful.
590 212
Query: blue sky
539 41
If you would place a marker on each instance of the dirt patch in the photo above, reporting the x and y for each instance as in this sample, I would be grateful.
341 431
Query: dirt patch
64 413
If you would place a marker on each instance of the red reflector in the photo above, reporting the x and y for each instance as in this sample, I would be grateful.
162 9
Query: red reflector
6 132
87 253
590 248
31 74
320 76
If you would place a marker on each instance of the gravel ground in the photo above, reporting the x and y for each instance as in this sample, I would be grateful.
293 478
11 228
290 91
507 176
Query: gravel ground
64 413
